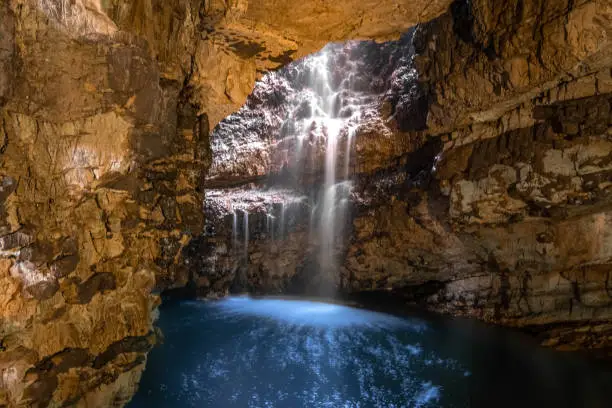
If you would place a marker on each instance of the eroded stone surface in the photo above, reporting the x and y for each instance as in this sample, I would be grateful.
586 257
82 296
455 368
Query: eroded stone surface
94 149
280 128
248 36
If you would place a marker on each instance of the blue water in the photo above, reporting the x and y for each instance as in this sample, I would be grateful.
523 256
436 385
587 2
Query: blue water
243 352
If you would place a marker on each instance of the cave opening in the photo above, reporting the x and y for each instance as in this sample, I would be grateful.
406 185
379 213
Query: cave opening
293 167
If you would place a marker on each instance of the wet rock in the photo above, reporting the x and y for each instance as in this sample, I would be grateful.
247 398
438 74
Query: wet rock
63 361
140 344
15 240
265 136
191 216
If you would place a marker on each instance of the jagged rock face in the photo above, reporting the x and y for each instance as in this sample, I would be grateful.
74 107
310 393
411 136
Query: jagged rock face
365 92
253 242
98 169
246 38
481 182
105 110
499 55
540 208
481 171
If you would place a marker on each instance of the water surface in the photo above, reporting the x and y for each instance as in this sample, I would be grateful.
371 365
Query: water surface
243 352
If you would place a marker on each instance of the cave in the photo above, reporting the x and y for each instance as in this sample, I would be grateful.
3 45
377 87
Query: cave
255 203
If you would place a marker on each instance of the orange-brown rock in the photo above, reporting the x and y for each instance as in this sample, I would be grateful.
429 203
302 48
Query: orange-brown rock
247 38
99 166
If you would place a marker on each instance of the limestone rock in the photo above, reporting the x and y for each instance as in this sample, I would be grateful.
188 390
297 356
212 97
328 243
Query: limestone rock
82 124
481 162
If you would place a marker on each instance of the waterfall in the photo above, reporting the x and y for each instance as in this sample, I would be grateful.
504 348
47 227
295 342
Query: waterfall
330 212
282 221
310 164
270 226
246 234
234 228
236 242
347 152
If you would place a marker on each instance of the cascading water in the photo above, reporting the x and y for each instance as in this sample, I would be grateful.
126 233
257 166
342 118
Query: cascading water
282 220
313 153
246 234
324 121
306 130
325 124
235 228
240 233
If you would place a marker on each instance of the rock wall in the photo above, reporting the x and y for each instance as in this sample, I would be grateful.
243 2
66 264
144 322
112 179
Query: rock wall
105 111
98 169
538 76
481 175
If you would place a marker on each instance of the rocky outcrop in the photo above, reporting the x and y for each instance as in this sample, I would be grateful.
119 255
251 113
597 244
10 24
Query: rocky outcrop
525 168
98 169
499 55
264 137
480 169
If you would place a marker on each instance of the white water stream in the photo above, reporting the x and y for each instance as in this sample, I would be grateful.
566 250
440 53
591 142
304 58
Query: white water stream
324 118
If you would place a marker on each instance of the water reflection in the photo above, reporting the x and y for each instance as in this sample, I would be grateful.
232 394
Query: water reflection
243 352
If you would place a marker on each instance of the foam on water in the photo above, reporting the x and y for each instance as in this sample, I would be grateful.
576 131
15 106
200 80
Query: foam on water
314 314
